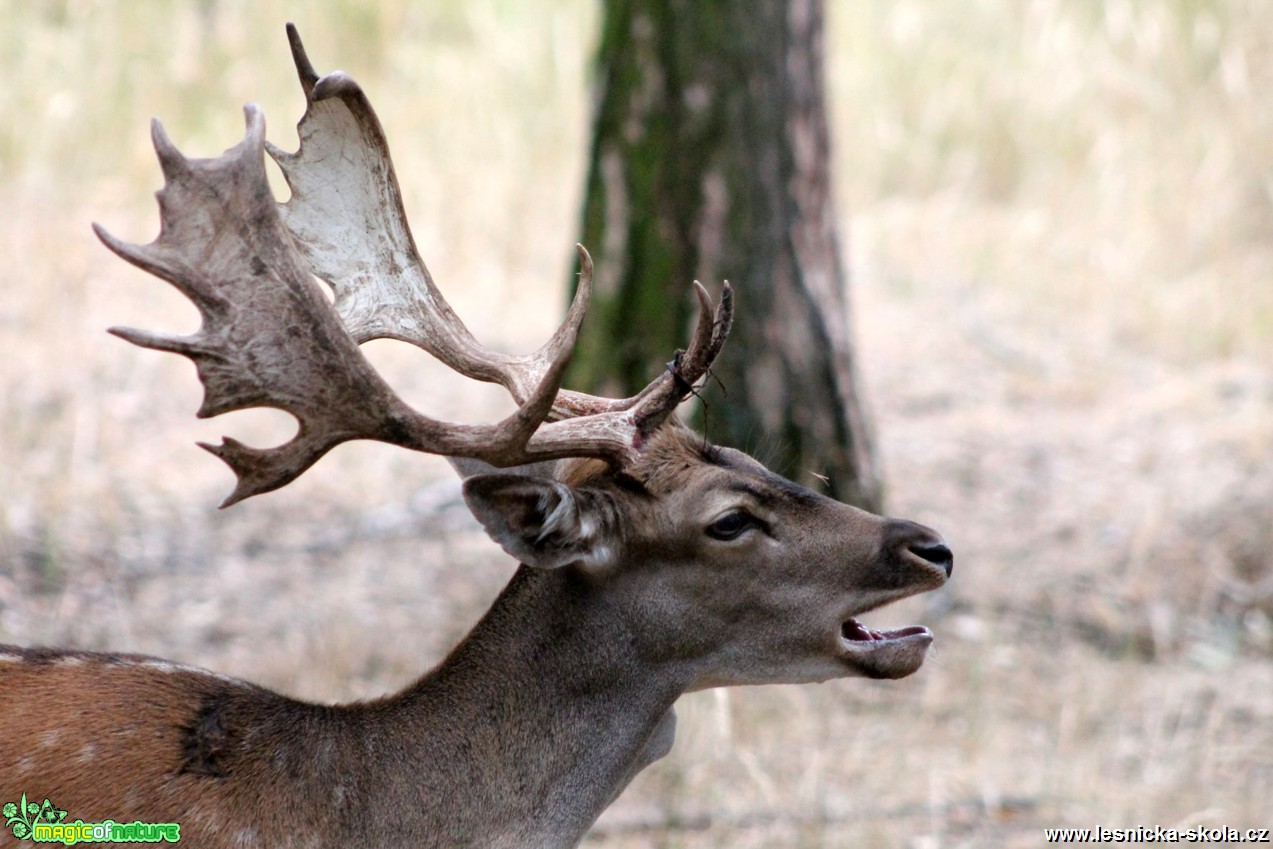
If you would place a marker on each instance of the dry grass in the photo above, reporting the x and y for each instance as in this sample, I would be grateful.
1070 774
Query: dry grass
1060 225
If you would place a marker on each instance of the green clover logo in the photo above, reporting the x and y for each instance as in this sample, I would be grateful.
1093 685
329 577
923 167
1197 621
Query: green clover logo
20 817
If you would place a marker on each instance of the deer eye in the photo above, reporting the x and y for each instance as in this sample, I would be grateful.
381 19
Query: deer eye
732 525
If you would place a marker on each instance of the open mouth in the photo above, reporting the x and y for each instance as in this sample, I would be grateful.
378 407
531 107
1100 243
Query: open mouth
854 631
884 653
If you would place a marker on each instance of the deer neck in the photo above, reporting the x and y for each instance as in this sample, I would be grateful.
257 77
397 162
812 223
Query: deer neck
549 711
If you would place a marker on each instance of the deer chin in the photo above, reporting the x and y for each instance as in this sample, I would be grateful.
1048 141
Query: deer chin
883 653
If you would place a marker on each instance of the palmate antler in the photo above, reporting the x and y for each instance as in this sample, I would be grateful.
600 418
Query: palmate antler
270 338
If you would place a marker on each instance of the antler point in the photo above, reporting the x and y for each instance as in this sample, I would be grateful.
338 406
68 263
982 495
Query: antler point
704 297
304 68
126 250
254 120
170 158
103 235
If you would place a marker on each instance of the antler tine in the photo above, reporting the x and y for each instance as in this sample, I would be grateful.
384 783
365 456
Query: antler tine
568 332
304 68
705 330
687 368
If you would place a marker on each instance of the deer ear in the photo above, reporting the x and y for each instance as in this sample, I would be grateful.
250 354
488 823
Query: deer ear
543 523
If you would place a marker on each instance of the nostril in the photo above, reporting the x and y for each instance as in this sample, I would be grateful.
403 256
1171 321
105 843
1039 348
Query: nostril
902 538
936 553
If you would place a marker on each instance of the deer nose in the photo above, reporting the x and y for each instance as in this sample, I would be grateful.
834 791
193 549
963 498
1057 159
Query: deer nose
924 543
936 553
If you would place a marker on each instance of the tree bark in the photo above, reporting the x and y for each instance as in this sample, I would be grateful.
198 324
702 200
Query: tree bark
711 161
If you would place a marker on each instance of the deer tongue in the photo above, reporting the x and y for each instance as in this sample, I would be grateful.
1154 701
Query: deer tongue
854 630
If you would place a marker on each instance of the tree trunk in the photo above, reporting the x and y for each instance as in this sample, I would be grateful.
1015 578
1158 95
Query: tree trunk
711 161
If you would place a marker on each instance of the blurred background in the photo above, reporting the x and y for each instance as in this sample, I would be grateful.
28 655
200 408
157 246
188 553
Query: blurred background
1059 228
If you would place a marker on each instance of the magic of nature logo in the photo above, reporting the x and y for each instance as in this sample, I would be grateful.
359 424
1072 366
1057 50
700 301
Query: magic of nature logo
45 822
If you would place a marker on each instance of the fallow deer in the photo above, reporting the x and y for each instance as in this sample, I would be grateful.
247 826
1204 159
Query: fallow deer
653 563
